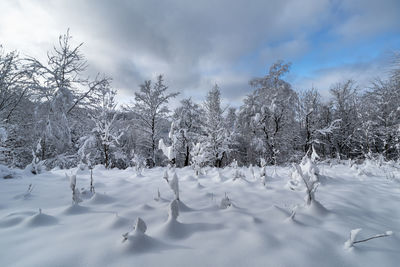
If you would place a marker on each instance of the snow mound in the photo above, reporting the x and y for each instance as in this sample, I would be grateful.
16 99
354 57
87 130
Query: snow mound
115 222
183 207
316 208
173 229
11 221
102 199
137 242
75 210
41 219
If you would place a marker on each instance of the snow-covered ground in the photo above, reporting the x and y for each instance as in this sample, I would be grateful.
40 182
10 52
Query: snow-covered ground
256 230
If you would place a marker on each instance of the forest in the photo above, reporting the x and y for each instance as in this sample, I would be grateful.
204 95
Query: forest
53 115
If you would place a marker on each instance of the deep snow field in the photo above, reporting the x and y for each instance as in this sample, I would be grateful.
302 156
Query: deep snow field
256 230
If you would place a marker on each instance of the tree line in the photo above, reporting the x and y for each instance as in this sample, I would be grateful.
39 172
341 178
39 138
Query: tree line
52 115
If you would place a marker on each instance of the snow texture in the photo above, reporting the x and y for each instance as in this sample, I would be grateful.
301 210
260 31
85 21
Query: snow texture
272 227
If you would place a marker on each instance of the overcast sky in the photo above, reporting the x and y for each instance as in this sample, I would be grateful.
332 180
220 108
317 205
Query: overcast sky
199 43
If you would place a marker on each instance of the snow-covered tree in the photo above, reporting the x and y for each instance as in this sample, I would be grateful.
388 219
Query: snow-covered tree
345 103
269 114
151 109
59 88
188 127
104 118
380 119
217 140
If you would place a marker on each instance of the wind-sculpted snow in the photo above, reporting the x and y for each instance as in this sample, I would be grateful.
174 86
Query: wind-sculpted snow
219 219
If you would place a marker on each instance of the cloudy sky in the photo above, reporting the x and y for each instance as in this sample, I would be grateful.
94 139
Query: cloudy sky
199 43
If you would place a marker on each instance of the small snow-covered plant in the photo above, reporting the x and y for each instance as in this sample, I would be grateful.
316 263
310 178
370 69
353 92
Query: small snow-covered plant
174 184
309 168
88 152
140 228
170 151
295 178
251 169
225 202
310 183
173 211
293 213
75 191
28 191
314 155
263 172
165 176
139 163
236 173
36 165
90 167
158 195
353 234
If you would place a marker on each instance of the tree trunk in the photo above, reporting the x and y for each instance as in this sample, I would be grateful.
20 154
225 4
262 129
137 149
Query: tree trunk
187 156
106 156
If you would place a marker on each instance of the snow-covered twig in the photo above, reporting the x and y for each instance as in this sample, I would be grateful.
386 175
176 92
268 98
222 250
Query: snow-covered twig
353 234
